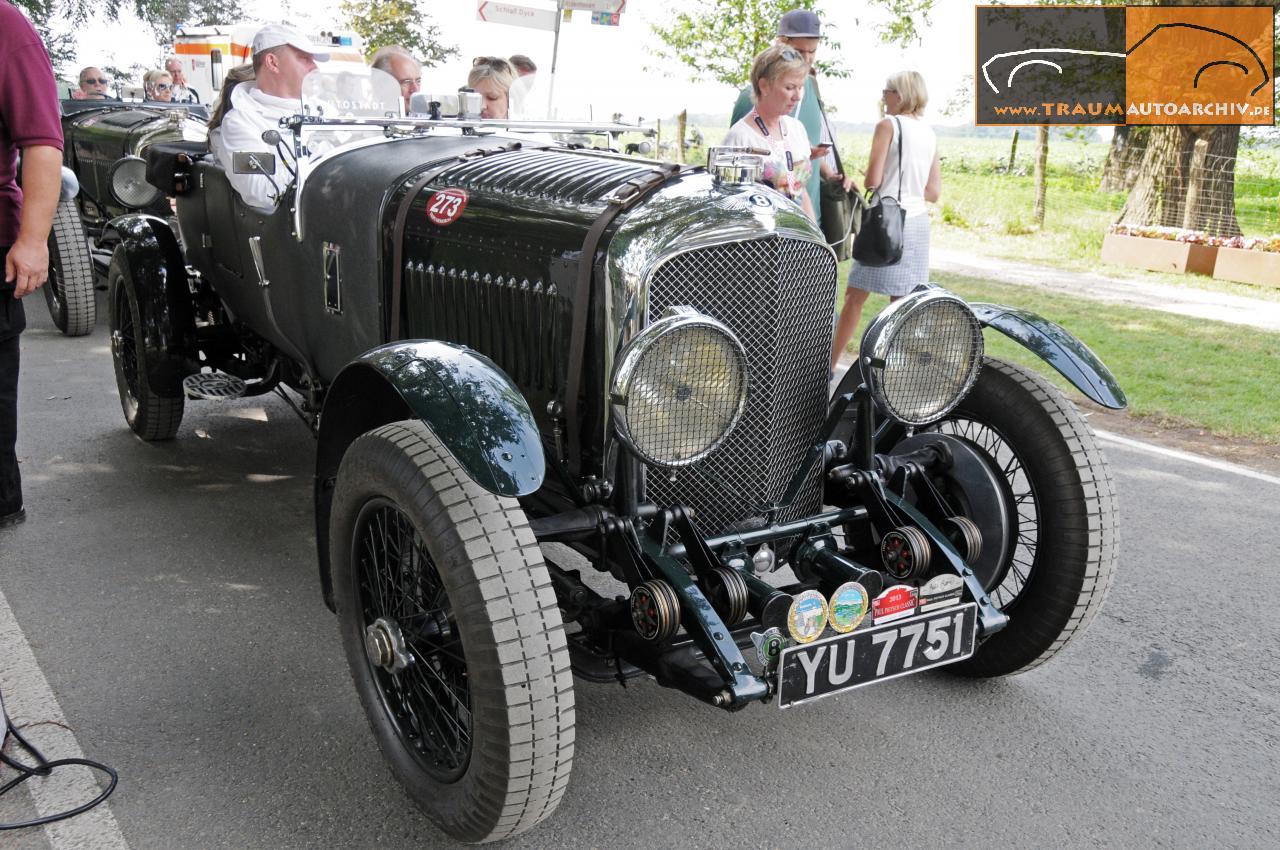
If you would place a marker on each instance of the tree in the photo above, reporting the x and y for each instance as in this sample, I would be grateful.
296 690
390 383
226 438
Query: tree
384 22
1187 174
164 16
718 39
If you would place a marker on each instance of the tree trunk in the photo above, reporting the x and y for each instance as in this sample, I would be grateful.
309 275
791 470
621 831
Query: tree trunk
1013 151
682 121
1214 207
1120 169
1042 167
1159 197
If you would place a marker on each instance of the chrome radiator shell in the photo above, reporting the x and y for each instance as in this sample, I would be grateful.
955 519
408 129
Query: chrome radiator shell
777 294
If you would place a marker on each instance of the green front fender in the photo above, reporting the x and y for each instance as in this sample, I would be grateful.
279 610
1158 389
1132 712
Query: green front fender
1064 352
470 405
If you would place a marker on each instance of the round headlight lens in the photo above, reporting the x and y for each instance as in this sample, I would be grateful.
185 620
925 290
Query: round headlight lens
679 389
922 356
129 184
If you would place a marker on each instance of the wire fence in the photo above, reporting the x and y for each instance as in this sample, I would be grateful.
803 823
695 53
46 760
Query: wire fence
1220 195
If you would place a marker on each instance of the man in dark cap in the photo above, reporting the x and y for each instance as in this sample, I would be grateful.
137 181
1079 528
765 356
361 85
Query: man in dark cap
801 30
29 122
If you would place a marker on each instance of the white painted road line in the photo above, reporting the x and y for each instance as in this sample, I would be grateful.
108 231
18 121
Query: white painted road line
29 700
1220 465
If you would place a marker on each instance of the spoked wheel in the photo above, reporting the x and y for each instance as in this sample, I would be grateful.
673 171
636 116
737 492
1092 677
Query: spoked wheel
411 642
69 290
1062 513
151 414
452 634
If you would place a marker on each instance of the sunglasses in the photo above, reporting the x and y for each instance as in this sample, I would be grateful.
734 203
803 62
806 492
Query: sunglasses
162 87
89 81
492 61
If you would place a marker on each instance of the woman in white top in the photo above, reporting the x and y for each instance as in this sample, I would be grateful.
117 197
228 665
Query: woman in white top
919 180
777 84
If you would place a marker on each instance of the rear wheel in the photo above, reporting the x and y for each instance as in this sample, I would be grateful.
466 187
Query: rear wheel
1062 512
453 635
69 290
152 416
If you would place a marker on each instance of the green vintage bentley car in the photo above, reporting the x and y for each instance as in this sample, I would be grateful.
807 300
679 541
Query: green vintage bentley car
503 342
105 141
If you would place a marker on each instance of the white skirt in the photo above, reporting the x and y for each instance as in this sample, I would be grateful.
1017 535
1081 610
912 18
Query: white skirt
904 275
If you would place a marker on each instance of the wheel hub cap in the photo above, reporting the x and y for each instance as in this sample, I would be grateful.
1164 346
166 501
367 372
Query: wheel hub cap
384 646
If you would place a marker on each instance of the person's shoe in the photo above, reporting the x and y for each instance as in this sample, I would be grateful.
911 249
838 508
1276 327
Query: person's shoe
20 515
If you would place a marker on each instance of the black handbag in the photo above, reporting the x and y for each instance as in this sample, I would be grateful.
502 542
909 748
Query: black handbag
879 240
839 207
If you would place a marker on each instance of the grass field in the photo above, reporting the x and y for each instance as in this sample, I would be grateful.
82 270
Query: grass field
1175 370
987 208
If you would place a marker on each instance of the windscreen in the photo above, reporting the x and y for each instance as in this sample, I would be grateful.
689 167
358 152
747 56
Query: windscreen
346 91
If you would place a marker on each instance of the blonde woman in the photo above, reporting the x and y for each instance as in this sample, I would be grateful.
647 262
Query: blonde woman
492 77
222 104
158 86
919 181
777 83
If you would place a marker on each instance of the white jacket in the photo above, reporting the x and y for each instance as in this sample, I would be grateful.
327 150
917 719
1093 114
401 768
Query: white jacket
253 112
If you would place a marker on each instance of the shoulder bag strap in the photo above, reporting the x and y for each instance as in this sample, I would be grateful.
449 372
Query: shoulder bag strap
826 122
901 140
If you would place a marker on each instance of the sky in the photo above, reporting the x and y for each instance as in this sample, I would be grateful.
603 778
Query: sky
602 69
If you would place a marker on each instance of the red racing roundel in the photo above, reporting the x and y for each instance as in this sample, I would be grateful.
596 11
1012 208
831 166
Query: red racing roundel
446 206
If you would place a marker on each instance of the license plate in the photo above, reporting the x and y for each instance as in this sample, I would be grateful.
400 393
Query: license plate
842 663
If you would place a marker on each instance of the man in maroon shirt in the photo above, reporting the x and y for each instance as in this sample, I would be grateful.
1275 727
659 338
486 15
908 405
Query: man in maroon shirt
29 122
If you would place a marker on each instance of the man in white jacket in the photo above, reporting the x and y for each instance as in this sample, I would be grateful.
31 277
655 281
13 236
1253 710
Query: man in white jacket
281 59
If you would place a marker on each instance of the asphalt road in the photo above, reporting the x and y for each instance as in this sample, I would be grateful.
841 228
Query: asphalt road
168 595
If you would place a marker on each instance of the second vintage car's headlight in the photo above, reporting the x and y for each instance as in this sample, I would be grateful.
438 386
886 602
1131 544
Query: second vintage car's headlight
921 355
679 388
129 186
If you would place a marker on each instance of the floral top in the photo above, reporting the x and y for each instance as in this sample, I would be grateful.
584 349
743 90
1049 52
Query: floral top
787 168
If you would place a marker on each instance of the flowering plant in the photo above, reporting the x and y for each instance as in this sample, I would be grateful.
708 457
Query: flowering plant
1198 237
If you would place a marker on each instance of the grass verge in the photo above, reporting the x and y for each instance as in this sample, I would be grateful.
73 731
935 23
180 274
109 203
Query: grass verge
1175 370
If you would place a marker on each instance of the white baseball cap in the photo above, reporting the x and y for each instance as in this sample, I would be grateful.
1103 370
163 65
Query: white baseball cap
275 35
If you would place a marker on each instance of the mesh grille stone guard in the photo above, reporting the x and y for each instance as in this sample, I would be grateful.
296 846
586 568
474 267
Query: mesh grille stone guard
777 295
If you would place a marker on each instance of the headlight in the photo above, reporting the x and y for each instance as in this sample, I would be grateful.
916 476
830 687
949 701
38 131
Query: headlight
679 388
921 356
129 186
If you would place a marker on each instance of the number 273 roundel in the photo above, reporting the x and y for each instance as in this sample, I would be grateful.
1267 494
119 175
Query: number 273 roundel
446 206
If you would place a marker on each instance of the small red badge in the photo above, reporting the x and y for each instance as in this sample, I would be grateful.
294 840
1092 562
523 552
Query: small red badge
896 602
446 206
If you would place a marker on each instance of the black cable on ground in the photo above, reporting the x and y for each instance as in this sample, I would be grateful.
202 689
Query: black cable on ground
43 767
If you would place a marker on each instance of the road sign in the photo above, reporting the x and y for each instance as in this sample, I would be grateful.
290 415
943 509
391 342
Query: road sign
606 18
612 7
519 16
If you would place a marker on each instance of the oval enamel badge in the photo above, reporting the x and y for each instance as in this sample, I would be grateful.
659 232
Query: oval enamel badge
446 206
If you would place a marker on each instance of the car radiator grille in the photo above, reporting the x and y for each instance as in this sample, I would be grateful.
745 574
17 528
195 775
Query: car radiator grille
777 295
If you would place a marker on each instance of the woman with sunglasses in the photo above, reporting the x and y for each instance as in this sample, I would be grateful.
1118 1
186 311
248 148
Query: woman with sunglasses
904 138
777 84
492 77
158 85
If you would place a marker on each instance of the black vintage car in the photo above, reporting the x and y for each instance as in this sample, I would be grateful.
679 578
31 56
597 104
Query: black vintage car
104 145
502 342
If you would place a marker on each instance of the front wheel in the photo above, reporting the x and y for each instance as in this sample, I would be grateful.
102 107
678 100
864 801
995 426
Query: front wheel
1061 506
453 635
151 414
69 290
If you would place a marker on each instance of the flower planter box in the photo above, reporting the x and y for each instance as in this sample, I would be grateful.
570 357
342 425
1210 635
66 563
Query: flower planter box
1257 267
1158 255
